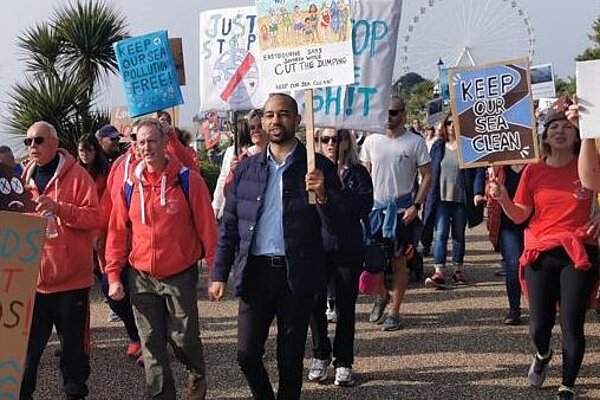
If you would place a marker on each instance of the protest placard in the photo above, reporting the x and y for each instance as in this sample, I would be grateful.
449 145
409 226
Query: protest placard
177 52
21 241
493 114
148 71
120 119
542 81
229 76
363 105
588 97
304 46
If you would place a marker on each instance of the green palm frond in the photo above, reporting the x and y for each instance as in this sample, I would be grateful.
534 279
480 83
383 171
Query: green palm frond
41 49
88 30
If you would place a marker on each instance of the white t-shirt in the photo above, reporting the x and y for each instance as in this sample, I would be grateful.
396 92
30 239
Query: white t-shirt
394 163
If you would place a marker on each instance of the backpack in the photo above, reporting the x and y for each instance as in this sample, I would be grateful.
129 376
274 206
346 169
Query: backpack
184 181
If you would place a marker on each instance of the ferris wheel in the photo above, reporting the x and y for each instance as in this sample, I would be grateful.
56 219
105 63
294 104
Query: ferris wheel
462 33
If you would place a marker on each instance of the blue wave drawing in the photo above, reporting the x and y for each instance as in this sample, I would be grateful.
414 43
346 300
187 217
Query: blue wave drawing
10 363
7 396
7 380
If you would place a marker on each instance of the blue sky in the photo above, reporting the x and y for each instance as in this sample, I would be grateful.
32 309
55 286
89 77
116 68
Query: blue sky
560 34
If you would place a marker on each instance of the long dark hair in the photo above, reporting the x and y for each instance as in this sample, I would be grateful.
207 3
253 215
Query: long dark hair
99 165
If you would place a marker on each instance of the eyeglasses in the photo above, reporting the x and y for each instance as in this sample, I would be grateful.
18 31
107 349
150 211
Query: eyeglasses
37 140
327 139
393 113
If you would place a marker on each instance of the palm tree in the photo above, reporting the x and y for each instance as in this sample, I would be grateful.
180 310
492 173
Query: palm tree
66 61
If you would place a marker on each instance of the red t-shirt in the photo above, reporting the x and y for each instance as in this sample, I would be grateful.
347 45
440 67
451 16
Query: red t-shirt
560 204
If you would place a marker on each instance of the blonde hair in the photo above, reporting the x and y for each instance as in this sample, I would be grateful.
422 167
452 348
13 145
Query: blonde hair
351 155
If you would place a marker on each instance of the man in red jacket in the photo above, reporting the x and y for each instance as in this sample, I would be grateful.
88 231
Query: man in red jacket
65 194
172 227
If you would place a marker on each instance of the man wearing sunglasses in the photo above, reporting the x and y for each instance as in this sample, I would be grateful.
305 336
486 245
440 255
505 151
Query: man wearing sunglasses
394 159
65 192
109 137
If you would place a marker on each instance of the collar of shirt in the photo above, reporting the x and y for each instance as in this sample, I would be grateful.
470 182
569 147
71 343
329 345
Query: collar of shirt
287 160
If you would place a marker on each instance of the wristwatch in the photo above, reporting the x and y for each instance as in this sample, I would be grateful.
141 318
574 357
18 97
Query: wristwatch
417 206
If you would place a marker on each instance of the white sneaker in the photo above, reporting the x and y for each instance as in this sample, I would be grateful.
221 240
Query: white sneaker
318 370
331 315
343 376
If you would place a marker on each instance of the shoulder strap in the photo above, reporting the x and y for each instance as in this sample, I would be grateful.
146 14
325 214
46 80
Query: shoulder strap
128 192
184 181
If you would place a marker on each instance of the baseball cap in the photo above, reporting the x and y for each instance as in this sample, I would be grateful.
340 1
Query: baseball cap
108 131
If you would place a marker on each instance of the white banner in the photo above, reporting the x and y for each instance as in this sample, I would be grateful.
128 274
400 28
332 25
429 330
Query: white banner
364 104
229 77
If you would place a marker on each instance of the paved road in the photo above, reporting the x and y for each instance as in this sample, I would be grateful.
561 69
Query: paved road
453 346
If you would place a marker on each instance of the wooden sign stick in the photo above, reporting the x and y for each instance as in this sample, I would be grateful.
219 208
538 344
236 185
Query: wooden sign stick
310 139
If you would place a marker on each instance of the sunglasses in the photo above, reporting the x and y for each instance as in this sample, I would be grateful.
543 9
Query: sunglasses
133 137
448 123
327 139
115 139
37 140
393 113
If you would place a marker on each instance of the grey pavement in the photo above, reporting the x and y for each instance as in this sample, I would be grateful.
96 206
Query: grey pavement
453 346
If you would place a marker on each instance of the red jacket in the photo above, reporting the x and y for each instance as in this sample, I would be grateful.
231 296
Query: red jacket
169 231
67 259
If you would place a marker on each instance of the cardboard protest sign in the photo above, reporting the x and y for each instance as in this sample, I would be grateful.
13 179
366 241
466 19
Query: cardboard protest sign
588 97
177 52
542 81
304 46
120 119
148 72
493 114
13 196
363 105
21 241
229 75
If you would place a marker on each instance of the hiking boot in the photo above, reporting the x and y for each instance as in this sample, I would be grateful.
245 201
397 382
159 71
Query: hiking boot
435 280
318 370
378 309
513 318
343 377
134 350
458 278
565 393
392 323
538 369
196 388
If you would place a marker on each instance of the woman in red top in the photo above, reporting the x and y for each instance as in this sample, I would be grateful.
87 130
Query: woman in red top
559 264
91 157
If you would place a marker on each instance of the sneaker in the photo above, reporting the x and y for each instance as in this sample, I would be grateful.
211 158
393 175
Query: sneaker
537 370
565 393
392 323
331 315
318 370
513 318
435 280
113 317
458 278
343 377
134 349
378 309
196 387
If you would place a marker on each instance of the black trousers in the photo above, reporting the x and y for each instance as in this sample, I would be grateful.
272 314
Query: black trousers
69 313
553 280
346 291
266 295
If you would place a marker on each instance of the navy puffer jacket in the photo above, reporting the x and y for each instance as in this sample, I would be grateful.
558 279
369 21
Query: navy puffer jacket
302 223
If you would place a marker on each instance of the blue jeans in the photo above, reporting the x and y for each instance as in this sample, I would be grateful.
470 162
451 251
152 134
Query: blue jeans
450 216
511 247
